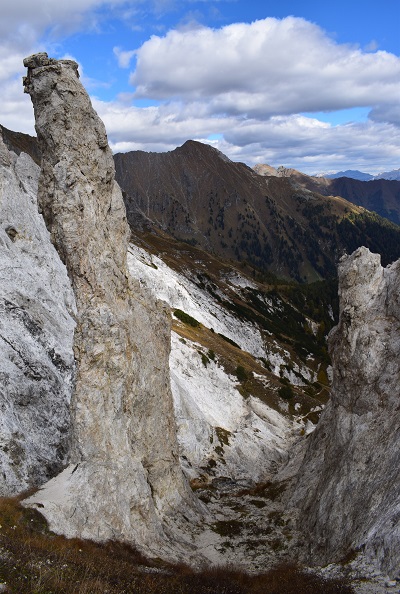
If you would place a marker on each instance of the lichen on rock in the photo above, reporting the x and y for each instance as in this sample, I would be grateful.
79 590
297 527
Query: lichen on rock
124 480
347 489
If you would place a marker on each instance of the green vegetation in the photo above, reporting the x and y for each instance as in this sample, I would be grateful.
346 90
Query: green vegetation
286 392
374 232
229 340
241 373
204 359
285 312
186 318
227 527
211 354
223 435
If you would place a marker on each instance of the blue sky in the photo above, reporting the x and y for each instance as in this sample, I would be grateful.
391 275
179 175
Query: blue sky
310 85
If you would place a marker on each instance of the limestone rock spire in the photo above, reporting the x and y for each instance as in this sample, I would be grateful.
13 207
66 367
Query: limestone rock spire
124 480
348 485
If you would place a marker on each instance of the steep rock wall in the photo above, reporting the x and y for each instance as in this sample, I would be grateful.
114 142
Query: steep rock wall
36 329
348 489
124 480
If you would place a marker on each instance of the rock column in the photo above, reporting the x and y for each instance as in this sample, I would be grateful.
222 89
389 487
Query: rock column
348 487
124 480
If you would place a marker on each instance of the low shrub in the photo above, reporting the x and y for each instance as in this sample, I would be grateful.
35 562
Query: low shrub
186 318
241 373
286 392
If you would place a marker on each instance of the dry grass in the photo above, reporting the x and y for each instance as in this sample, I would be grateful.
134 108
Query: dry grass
35 561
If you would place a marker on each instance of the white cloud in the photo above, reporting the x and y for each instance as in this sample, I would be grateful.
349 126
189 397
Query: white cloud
246 84
28 27
124 58
386 113
24 21
296 141
265 68
250 82
16 111
165 125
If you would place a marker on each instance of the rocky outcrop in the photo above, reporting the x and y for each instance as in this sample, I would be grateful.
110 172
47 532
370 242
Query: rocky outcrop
348 487
36 329
124 480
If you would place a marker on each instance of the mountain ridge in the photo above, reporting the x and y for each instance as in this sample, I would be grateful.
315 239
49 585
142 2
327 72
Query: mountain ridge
379 194
273 224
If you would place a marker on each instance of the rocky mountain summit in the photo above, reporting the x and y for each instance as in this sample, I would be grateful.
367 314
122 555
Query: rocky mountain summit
274 224
203 447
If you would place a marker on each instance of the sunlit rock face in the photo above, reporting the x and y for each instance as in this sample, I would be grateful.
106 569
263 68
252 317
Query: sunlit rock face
36 329
124 480
348 487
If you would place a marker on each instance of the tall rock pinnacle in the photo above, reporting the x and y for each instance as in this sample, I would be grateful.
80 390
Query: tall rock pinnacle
124 480
348 485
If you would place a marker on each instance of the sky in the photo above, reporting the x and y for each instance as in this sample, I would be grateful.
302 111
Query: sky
305 84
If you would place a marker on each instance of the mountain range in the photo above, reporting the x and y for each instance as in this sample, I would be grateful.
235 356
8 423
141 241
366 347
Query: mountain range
379 195
361 175
290 225
277 221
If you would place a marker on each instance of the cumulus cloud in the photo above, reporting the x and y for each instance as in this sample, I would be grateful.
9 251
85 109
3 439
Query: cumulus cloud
25 21
245 88
123 57
295 140
251 83
386 113
265 68
166 125
27 27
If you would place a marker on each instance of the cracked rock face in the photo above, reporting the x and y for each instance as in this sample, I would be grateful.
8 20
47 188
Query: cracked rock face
36 329
348 487
124 480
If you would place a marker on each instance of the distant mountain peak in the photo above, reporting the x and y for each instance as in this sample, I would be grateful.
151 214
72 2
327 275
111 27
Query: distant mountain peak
394 174
352 173
390 175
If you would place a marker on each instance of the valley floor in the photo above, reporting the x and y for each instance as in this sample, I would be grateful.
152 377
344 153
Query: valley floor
251 540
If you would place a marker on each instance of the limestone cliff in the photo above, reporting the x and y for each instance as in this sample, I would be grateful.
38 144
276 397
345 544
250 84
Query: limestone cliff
36 329
124 480
348 485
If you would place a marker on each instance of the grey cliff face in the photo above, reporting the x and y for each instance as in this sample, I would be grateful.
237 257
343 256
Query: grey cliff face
36 328
124 480
348 485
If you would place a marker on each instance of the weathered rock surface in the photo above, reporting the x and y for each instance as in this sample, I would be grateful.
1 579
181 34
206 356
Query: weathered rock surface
124 480
36 329
348 489
241 437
